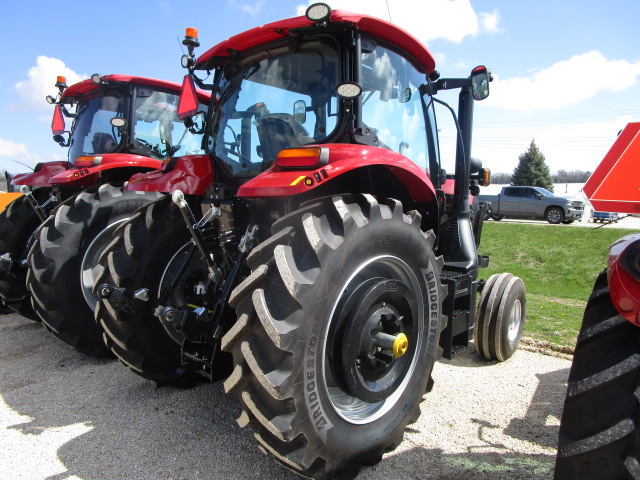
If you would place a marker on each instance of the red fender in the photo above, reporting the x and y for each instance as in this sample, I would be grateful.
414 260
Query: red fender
341 159
192 174
86 169
41 175
624 276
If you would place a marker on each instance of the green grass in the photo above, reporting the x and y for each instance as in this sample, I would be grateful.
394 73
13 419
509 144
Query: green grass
558 265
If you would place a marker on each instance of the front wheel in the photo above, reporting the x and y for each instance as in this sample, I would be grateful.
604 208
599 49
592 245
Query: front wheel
18 222
554 215
153 250
500 317
337 333
600 427
64 262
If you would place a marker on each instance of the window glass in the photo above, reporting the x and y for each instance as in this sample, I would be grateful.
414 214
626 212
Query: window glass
92 132
286 100
158 128
391 105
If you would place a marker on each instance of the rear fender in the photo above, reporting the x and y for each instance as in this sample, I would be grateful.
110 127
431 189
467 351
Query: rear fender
192 175
343 159
624 276
86 170
41 175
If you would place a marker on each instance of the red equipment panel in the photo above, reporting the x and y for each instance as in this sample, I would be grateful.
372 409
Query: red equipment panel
615 184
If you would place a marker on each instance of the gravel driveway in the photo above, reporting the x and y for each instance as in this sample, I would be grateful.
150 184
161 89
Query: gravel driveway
66 416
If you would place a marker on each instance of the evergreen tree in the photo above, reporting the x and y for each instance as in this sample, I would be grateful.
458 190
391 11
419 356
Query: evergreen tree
532 169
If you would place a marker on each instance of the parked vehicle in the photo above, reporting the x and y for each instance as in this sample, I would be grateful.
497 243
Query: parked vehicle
121 125
603 217
533 202
600 423
323 257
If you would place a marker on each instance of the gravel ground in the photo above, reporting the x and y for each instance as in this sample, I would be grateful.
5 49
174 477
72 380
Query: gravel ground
66 416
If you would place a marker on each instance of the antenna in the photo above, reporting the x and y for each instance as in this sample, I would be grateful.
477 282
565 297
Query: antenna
28 166
389 11
180 43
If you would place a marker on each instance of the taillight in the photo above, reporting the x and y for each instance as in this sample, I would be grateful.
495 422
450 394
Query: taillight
87 161
303 158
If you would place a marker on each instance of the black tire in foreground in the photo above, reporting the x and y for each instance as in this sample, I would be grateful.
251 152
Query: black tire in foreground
18 222
599 431
147 253
339 285
554 215
500 317
64 264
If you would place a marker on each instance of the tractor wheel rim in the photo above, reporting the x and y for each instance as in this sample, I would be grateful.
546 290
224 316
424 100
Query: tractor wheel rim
352 401
515 319
185 291
91 268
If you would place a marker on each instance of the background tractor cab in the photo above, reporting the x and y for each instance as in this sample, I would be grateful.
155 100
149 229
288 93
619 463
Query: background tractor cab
113 127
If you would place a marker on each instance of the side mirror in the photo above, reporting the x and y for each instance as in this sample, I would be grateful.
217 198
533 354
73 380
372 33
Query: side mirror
480 78
475 165
60 139
300 111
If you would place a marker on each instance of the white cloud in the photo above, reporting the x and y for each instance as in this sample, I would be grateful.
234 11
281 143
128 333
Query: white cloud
452 20
41 82
11 149
565 83
251 9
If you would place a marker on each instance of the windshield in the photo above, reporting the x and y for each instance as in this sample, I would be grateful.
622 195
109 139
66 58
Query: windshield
545 192
158 132
92 132
286 100
392 107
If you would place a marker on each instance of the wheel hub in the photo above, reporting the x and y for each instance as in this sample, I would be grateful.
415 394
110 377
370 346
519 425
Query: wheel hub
371 361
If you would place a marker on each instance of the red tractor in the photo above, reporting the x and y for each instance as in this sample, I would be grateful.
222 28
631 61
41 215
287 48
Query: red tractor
318 241
600 427
121 125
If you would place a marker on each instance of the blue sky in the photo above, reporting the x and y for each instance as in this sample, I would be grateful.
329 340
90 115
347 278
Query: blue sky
567 73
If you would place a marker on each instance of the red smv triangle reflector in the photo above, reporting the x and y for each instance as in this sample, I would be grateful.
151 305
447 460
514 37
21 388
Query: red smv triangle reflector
57 124
615 184
188 98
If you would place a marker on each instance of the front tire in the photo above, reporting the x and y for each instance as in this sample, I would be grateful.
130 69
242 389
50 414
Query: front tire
599 431
320 391
64 262
18 222
554 215
147 253
500 317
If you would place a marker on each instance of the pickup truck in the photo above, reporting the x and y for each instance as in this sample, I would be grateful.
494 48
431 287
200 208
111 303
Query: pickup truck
537 202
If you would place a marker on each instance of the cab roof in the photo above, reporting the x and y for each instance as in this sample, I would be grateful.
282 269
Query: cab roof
86 86
376 27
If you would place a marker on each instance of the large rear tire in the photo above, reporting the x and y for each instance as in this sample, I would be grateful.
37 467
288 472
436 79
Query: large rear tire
599 431
146 253
319 389
64 264
18 222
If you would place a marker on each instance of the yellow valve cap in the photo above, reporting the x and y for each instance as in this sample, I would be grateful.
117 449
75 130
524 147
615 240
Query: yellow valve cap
400 345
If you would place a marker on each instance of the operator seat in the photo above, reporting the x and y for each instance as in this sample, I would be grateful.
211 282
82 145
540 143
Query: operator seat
277 131
103 143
